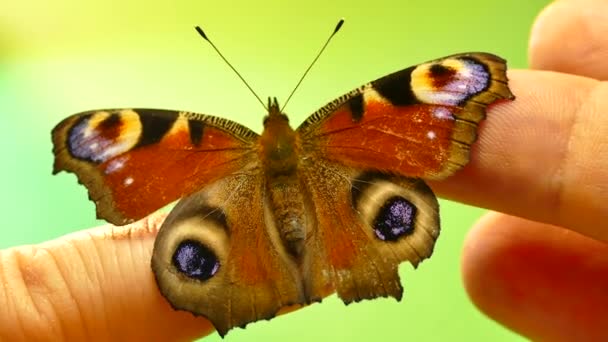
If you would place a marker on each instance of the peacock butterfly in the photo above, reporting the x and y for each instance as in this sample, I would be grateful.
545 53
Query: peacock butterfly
288 216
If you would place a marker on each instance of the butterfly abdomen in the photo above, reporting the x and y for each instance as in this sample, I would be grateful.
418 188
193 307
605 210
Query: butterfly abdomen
287 206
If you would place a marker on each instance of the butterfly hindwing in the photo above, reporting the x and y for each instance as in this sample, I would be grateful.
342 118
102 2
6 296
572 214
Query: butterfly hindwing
215 258
367 224
134 161
418 122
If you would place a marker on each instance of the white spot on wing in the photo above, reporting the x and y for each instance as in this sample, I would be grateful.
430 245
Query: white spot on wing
442 113
470 79
89 141
116 165
431 135
128 181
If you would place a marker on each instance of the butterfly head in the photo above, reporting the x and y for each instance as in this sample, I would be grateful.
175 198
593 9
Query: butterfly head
274 112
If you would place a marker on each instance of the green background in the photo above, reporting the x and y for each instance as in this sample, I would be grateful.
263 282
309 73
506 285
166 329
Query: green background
61 57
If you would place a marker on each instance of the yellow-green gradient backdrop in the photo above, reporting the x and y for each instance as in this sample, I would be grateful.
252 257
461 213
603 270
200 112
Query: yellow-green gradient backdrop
64 56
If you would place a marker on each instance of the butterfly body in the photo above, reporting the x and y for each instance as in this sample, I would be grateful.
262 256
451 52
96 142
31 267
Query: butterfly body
288 216
280 153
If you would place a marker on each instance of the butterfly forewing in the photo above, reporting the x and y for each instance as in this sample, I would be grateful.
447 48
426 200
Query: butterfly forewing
418 122
134 161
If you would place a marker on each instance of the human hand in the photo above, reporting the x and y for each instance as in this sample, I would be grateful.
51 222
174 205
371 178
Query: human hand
542 268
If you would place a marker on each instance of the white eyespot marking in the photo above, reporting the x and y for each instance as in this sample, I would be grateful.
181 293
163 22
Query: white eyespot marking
116 165
128 181
104 135
431 135
450 81
206 232
372 203
442 113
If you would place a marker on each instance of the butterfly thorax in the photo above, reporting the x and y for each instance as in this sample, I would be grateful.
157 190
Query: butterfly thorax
279 153
278 144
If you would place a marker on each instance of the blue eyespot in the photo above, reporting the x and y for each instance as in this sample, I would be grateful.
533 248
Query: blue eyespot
395 219
195 260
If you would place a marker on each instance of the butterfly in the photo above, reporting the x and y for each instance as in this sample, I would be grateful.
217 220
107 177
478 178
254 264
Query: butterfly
289 216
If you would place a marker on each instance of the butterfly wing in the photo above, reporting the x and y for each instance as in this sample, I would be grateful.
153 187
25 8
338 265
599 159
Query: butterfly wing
218 254
134 161
367 224
363 159
418 122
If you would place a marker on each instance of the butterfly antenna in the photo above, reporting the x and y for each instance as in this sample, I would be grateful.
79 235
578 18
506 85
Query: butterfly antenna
338 26
202 33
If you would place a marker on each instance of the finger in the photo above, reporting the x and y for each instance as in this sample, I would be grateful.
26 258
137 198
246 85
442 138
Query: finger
91 285
542 281
571 36
543 156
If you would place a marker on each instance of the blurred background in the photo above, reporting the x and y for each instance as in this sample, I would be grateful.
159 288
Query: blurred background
65 56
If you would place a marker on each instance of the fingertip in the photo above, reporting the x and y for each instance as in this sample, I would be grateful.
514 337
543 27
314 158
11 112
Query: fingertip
570 36
542 281
538 38
542 155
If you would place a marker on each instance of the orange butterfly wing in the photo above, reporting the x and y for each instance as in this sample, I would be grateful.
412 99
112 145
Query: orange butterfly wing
418 122
134 161
363 158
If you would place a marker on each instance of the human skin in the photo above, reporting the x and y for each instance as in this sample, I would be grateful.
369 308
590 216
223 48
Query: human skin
540 269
